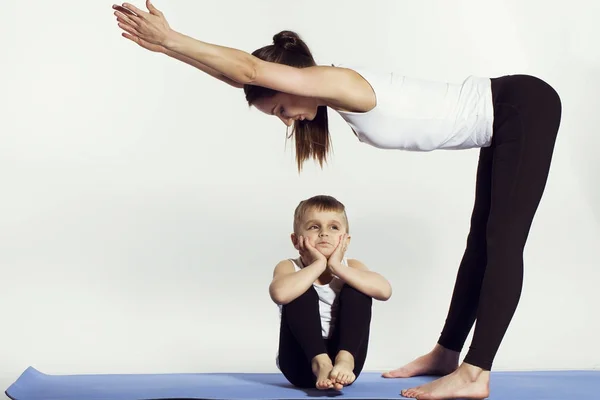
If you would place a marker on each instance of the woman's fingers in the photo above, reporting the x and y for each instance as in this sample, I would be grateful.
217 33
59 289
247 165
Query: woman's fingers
128 28
125 20
131 37
129 16
135 10
123 10
153 10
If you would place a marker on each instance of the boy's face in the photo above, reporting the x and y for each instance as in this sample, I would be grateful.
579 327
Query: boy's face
322 229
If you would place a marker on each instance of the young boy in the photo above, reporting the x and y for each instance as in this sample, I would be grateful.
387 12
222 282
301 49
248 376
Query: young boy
325 300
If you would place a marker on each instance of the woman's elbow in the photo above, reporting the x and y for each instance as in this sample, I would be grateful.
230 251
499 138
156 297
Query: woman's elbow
249 69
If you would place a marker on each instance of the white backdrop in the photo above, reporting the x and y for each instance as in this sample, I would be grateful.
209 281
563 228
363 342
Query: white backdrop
144 205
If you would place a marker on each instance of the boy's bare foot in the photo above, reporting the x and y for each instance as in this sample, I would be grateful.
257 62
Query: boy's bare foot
342 373
321 367
440 361
467 382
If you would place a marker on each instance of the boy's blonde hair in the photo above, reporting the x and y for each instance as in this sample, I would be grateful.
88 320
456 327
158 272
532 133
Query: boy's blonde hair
320 203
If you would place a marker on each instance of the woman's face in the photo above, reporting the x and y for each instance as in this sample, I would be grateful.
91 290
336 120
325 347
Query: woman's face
288 108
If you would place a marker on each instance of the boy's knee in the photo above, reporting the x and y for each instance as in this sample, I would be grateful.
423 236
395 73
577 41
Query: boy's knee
308 297
351 292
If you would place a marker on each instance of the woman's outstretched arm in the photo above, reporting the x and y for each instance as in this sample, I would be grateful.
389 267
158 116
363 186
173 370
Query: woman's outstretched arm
337 86
204 68
121 12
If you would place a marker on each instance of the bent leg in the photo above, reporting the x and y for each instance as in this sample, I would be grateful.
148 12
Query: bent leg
350 340
300 340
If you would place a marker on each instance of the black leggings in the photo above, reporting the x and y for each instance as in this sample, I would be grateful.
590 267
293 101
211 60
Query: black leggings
300 337
511 177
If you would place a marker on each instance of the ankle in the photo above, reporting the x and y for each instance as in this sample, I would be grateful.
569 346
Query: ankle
442 351
344 355
321 359
470 371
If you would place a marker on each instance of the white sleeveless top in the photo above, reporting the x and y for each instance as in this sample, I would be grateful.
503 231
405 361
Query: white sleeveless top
420 115
328 294
328 304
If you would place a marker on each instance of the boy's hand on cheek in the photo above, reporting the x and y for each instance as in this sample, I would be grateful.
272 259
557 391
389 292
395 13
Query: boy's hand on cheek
309 252
335 259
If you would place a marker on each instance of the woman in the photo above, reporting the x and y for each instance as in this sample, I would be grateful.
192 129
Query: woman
513 120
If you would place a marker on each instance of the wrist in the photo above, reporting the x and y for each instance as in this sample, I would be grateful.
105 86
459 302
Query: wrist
313 262
334 266
171 40
320 264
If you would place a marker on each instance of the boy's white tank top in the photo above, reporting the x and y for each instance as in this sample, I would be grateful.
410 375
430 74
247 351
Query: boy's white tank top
328 294
328 301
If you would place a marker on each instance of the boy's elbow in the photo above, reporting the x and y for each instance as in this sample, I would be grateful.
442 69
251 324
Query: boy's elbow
279 300
278 297
387 296
386 293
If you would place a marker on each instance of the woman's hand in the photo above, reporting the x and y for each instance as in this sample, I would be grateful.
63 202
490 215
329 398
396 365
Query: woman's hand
149 30
147 45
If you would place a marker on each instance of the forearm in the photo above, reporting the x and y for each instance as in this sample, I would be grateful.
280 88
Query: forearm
287 288
370 283
234 64
201 67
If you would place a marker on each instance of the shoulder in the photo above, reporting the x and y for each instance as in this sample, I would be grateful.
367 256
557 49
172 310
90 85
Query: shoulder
284 267
339 87
357 83
358 91
354 263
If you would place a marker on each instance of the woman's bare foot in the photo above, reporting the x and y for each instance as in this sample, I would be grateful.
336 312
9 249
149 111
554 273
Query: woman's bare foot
467 382
321 367
342 373
440 361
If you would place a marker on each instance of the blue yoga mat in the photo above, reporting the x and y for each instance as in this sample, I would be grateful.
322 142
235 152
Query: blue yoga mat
34 385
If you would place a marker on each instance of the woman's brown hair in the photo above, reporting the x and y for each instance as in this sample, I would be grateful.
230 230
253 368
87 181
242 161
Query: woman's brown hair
311 137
